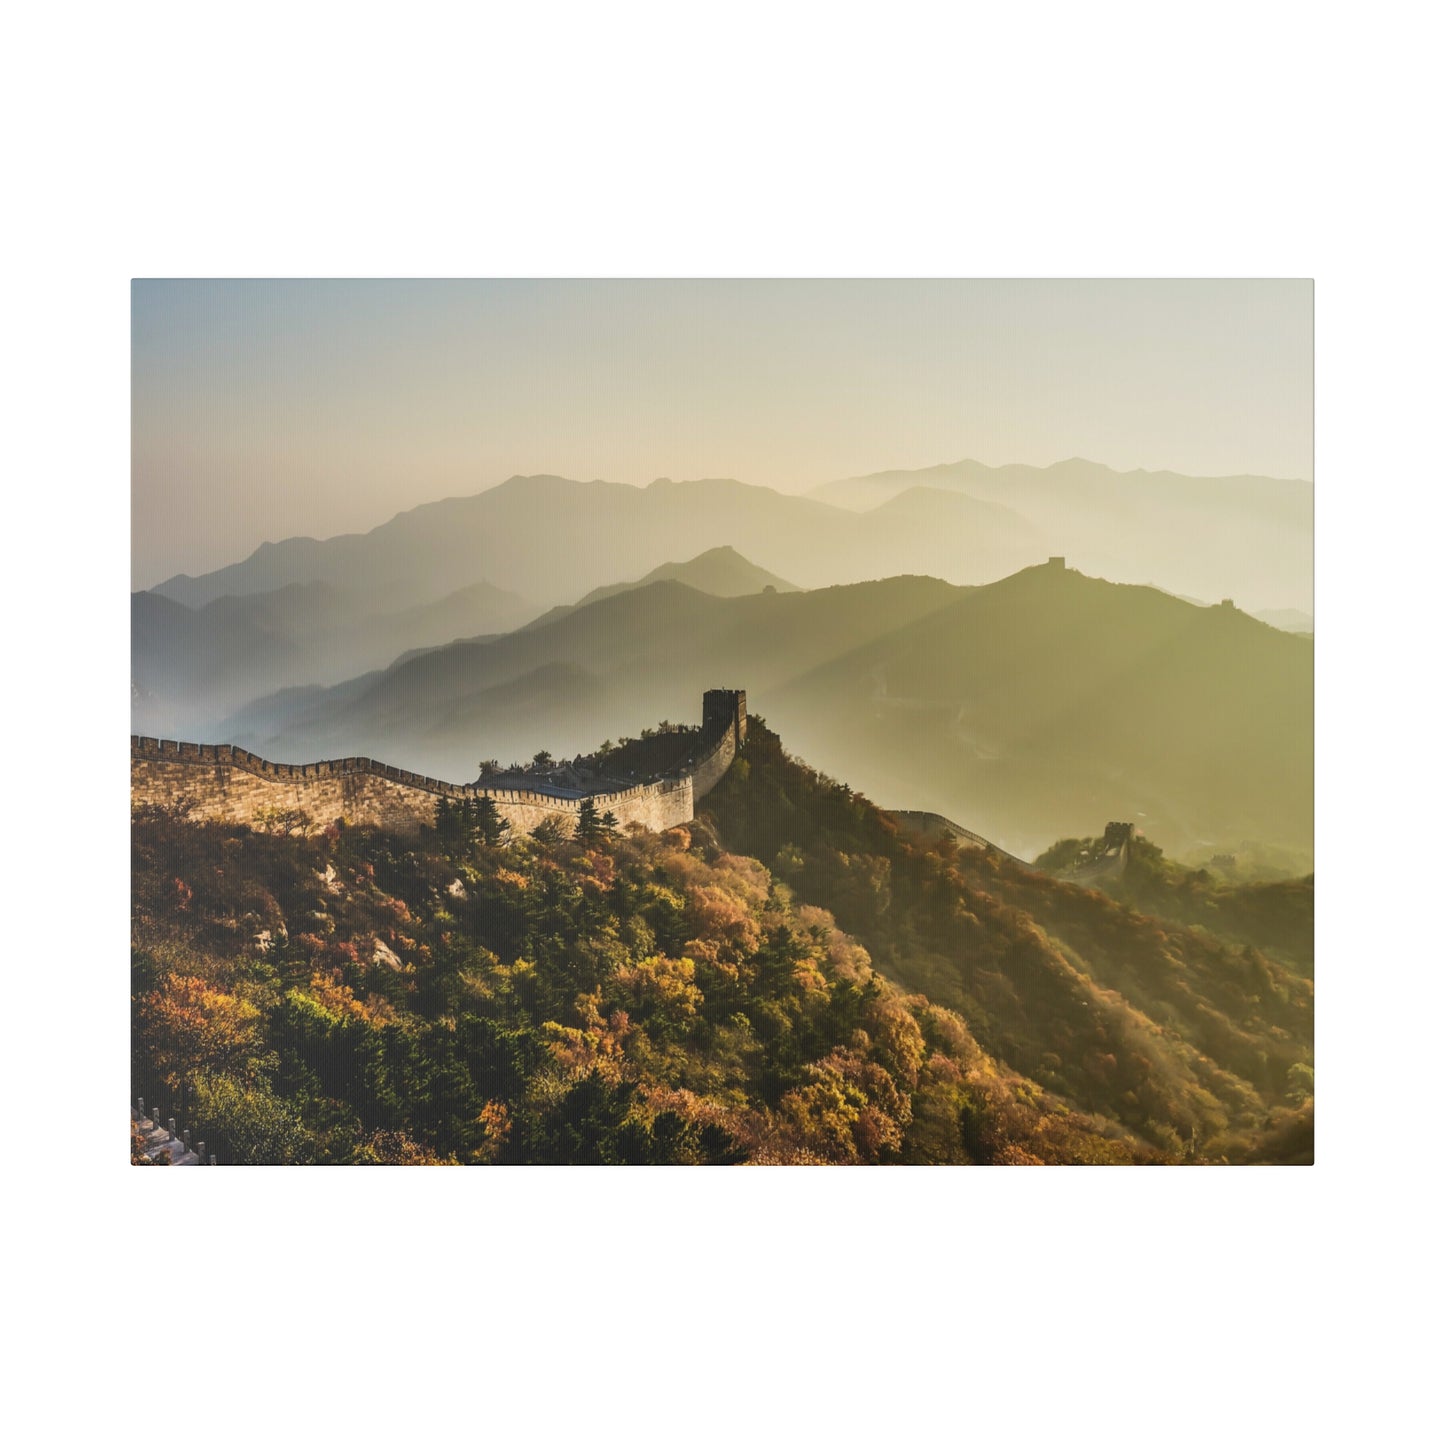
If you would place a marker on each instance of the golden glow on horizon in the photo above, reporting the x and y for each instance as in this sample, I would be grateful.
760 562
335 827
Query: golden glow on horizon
263 410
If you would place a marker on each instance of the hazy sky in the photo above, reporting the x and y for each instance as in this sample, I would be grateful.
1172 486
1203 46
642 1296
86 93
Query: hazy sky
268 409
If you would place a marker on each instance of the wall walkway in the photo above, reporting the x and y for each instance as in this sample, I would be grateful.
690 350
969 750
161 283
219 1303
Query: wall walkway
229 784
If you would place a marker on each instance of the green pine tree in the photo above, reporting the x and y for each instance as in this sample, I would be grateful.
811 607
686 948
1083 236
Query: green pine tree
589 824
446 818
491 826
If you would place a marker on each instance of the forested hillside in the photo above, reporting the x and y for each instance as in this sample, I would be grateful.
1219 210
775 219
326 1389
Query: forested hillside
349 996
1051 701
1177 1033
1277 914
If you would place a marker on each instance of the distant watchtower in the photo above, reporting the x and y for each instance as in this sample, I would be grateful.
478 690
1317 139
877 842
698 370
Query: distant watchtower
1057 563
724 708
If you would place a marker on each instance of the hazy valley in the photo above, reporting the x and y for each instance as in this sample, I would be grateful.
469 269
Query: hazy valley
1027 708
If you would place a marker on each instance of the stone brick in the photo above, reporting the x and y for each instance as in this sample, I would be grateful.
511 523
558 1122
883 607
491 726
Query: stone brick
229 784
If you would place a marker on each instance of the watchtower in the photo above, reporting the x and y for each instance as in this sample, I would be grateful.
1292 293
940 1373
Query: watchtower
1056 563
724 708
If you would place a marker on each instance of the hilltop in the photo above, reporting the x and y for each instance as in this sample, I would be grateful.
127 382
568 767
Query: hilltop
719 572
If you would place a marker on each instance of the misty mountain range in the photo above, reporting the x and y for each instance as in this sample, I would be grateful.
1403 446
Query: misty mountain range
931 663
194 666
720 572
551 540
1246 537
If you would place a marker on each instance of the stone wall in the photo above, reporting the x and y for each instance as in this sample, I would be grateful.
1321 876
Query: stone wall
726 707
708 770
232 785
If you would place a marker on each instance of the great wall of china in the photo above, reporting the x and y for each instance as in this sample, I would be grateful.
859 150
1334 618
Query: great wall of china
229 784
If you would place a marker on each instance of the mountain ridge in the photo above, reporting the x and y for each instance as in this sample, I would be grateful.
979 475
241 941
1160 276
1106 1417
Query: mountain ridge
553 539
718 572
1028 708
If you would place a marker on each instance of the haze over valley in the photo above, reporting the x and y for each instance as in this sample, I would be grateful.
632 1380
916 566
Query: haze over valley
550 540
917 648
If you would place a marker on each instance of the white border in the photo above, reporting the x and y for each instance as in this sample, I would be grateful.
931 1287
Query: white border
780 140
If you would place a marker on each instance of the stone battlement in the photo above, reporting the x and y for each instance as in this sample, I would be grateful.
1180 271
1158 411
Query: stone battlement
229 784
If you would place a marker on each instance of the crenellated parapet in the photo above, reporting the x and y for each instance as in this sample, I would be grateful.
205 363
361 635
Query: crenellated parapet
230 784
726 708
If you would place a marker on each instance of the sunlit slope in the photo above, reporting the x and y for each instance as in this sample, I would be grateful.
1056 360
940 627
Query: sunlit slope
1039 707
1050 702
610 668
1171 1030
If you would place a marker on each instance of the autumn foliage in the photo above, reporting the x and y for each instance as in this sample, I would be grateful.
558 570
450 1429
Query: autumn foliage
354 997
719 993
1187 1038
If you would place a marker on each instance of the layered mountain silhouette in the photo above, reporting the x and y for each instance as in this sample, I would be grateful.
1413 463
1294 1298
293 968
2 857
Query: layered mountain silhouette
1287 619
720 572
191 666
617 665
1247 537
1026 702
1032 708
1025 707
552 541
